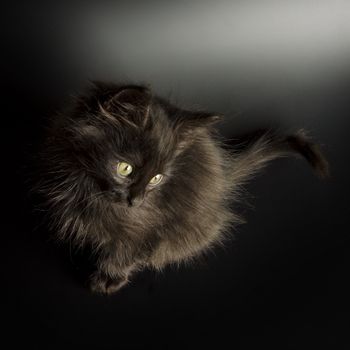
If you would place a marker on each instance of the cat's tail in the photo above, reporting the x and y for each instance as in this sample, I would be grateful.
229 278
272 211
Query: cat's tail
270 145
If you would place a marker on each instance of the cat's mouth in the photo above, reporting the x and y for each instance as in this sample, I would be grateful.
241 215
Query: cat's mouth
125 206
135 202
126 202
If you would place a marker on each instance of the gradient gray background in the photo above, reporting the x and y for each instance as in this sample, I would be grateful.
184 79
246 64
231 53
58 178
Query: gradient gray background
282 282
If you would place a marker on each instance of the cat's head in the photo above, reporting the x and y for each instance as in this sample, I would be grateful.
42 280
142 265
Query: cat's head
131 142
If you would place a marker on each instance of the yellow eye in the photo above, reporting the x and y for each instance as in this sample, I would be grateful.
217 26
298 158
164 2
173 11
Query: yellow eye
124 169
156 179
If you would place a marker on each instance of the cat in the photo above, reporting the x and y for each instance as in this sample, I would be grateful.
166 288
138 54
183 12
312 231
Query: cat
146 183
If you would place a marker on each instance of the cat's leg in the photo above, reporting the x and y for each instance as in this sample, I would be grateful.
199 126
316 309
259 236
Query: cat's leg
114 264
102 283
109 278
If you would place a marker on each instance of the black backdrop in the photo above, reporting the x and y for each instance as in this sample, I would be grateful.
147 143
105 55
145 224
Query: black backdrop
281 282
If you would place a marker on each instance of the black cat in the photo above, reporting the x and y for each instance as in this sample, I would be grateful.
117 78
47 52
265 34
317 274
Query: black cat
144 182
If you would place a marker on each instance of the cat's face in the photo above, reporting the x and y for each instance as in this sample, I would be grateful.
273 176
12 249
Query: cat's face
140 162
132 144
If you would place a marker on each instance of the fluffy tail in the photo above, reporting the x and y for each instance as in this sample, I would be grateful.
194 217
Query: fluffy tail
269 146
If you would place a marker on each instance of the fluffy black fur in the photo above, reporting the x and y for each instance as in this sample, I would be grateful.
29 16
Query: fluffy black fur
129 223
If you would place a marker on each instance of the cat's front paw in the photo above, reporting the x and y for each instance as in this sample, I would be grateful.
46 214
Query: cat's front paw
106 285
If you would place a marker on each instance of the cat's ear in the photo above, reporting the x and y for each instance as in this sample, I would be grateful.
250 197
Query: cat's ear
130 105
131 95
190 125
196 120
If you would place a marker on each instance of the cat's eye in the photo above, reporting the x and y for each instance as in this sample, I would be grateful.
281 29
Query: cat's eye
124 169
156 179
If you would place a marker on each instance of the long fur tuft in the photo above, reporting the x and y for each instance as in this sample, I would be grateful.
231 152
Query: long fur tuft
270 145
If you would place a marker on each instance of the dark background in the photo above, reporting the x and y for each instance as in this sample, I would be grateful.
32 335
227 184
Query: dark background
282 282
